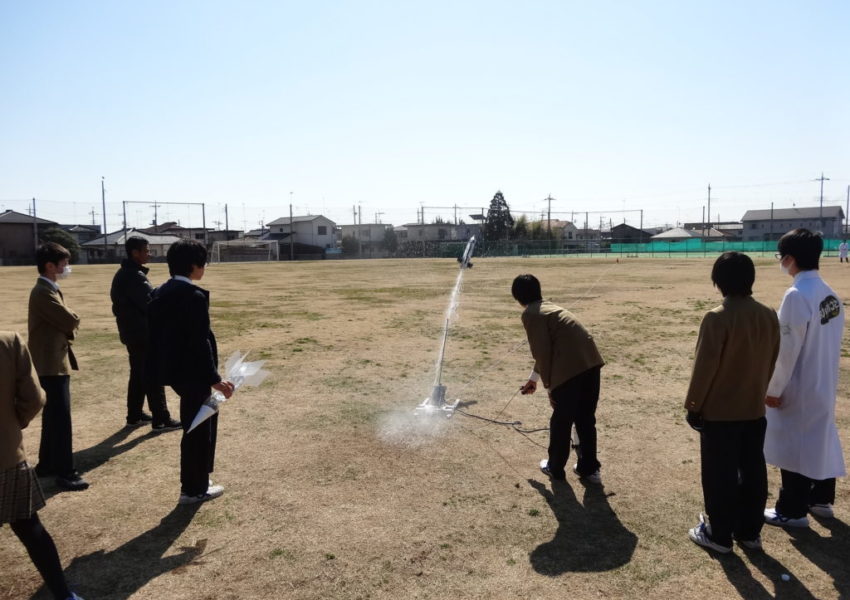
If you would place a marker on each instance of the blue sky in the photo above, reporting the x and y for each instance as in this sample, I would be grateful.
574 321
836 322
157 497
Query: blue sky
393 105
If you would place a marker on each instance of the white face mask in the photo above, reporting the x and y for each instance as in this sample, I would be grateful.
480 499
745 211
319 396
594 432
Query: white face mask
783 268
65 272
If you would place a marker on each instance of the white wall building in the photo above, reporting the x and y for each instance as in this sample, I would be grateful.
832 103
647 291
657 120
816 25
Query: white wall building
312 230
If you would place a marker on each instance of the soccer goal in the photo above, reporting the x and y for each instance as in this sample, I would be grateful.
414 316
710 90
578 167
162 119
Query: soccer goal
245 250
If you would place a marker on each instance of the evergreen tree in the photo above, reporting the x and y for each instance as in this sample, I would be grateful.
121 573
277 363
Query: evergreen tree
350 245
520 230
63 238
390 241
499 222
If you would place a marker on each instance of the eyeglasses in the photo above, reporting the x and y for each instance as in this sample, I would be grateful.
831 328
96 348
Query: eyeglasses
779 256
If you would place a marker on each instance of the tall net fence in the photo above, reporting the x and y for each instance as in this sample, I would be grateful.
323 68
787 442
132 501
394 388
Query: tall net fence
655 248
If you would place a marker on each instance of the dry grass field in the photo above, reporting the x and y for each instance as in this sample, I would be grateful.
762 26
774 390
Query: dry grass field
331 492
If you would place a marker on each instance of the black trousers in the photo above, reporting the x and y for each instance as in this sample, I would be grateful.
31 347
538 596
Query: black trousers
575 402
798 492
734 478
197 449
55 454
138 387
43 554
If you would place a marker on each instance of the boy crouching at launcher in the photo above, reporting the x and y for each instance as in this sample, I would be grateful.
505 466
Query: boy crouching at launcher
567 361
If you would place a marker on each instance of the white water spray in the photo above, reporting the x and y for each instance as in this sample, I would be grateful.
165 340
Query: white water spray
436 402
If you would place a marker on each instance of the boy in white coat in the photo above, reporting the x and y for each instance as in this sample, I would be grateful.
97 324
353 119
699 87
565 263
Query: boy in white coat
802 439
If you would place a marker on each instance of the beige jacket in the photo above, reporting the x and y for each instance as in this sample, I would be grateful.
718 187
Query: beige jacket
562 348
21 397
736 350
52 328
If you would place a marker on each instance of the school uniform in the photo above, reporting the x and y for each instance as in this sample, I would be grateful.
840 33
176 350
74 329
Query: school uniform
568 363
735 355
52 329
21 399
184 356
802 439
130 294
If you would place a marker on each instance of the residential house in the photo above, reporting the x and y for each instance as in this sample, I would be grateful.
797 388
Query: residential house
82 233
626 234
112 250
18 237
437 232
310 230
369 236
769 224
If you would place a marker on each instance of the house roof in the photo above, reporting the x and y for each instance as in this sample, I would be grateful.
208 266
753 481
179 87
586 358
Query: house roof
88 228
303 219
680 233
806 212
10 216
627 227
676 233
119 237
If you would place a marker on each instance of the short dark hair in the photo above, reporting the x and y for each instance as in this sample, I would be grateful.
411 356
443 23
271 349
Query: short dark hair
804 245
134 243
526 289
185 254
50 252
734 274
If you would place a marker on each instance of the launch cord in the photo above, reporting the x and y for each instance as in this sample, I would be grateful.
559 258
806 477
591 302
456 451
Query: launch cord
513 424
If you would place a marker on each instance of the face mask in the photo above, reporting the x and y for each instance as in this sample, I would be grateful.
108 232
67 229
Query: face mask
783 268
65 272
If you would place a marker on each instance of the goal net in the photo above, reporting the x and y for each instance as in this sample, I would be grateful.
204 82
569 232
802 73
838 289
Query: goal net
245 250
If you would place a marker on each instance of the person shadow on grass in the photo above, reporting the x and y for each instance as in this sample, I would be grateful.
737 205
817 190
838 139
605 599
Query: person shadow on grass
118 574
748 587
589 538
829 553
99 454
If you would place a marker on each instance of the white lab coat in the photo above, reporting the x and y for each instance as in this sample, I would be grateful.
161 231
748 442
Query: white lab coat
801 434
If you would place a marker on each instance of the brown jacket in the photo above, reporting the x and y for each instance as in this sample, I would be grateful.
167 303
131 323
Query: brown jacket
52 328
736 350
21 397
562 348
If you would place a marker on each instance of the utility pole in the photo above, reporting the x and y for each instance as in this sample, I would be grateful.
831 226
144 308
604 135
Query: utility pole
377 218
359 224
155 206
34 228
820 214
226 222
291 247
124 214
103 200
92 213
847 211
709 209
204 223
549 217
770 236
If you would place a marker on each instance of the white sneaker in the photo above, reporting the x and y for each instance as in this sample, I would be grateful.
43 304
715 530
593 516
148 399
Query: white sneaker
771 517
700 535
213 491
595 477
823 511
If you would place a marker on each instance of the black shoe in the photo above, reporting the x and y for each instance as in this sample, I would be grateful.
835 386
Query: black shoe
169 425
145 418
41 471
544 468
72 483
